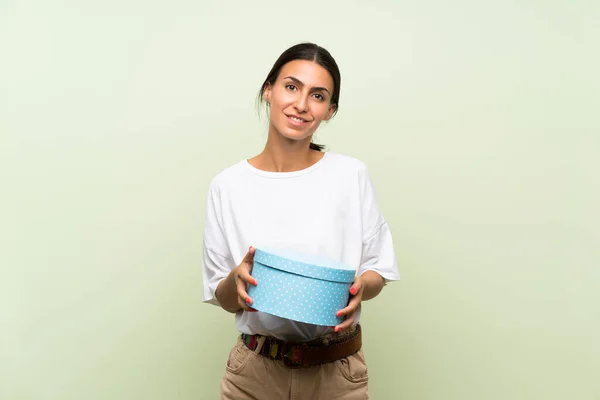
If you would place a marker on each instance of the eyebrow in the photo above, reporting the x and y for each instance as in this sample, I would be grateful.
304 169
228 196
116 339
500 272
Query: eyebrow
299 82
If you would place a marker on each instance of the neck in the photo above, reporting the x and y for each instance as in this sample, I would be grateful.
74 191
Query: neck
286 155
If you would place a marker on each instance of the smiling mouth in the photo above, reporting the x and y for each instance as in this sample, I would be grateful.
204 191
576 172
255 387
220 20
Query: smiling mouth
297 119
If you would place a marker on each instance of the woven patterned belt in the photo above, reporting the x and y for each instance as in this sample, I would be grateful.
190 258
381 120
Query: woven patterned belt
305 354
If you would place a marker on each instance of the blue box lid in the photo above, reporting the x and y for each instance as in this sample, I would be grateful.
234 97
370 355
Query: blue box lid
306 265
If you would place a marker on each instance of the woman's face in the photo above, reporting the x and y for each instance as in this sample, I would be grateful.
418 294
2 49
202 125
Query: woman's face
300 99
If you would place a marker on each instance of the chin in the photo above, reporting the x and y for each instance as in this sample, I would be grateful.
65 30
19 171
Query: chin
293 134
297 137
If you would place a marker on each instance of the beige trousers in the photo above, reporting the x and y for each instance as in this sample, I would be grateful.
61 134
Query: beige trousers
250 376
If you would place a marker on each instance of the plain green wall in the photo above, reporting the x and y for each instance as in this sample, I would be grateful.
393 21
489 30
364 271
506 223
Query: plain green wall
479 121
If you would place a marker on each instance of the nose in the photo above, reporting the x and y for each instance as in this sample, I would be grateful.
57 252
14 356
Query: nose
302 103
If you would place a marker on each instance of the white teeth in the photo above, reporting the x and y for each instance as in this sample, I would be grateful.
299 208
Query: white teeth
297 119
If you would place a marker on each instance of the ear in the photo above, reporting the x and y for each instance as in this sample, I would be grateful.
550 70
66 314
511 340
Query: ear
267 93
330 112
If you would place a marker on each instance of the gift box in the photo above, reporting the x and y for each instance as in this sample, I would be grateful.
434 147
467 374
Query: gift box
300 287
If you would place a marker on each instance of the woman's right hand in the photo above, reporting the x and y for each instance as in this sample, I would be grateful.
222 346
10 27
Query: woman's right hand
231 292
241 276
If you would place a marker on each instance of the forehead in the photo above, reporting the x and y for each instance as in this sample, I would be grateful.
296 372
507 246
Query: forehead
309 72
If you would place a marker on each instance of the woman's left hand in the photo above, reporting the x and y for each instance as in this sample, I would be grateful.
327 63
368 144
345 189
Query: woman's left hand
356 294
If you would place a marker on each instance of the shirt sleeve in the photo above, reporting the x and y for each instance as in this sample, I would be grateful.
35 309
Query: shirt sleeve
216 261
378 246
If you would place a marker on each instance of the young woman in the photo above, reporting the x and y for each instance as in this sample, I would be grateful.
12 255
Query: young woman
293 195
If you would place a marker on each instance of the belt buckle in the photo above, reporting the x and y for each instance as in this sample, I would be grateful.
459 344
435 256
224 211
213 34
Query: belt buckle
291 355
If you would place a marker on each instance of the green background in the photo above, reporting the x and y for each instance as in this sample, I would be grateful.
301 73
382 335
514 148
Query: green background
478 120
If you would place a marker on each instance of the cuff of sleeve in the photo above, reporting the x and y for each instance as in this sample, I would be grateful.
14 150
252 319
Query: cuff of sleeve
209 295
388 276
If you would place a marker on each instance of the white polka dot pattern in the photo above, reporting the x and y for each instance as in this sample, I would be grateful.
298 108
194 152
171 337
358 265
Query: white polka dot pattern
318 271
291 292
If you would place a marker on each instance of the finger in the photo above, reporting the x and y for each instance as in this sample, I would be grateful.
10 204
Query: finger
346 324
346 311
356 287
244 276
241 291
244 300
244 306
246 266
351 307
249 257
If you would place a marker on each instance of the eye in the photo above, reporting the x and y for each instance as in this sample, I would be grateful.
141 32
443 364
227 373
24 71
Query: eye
319 96
290 86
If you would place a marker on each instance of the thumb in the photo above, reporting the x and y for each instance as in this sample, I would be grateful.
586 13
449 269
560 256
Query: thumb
355 288
249 255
